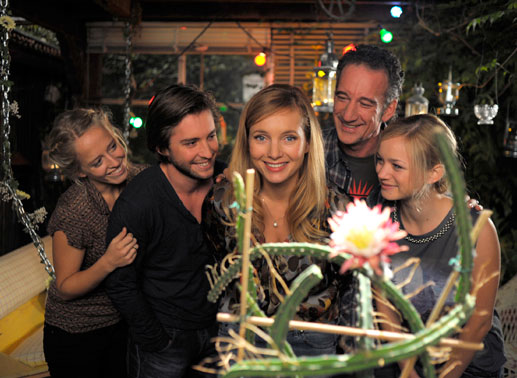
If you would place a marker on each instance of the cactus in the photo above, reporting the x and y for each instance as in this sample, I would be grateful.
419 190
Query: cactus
367 356
334 364
365 317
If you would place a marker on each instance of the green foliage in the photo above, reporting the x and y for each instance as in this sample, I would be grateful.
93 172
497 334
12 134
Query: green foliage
466 36
39 33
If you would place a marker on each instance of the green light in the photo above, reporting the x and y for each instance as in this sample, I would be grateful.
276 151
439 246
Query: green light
223 108
386 36
136 122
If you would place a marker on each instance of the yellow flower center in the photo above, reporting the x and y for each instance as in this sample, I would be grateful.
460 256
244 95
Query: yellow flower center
360 236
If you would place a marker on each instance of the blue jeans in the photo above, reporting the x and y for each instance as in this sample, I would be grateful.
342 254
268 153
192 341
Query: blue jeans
304 343
186 348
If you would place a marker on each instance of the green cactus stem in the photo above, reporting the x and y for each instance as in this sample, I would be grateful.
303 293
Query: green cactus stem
365 317
299 290
334 364
463 220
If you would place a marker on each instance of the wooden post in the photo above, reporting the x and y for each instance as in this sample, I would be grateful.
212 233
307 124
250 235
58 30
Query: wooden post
182 70
250 178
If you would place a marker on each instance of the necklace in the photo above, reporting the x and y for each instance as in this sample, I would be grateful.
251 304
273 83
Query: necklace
275 221
437 235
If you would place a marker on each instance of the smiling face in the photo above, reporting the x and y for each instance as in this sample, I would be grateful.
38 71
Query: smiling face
193 146
277 147
101 158
359 108
394 169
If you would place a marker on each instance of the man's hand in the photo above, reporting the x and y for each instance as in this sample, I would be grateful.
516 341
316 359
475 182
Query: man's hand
222 176
473 203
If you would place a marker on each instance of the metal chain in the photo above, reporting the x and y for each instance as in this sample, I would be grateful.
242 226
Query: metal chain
8 179
29 226
430 238
128 32
4 104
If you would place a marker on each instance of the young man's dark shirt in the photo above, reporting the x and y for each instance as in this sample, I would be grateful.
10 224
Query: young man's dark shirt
166 286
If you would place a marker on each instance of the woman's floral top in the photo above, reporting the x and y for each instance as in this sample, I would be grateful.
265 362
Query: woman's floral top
323 302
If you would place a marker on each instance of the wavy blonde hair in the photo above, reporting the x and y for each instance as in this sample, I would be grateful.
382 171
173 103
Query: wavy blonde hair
307 204
71 125
418 131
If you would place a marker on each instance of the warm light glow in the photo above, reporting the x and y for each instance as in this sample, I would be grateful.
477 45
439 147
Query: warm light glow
321 73
350 47
260 59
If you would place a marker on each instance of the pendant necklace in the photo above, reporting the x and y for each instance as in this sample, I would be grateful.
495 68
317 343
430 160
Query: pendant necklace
275 221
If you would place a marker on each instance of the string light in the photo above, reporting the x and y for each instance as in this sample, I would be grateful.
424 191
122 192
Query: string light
260 59
349 47
386 35
136 122
396 11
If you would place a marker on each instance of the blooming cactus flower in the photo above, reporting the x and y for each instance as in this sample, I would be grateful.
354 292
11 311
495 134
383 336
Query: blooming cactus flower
368 235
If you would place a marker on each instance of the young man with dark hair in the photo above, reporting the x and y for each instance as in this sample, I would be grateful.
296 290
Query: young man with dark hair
163 294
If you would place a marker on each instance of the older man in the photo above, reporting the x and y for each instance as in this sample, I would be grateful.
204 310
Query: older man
369 83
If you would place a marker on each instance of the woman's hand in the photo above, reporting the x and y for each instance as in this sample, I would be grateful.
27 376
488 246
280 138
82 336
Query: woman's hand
122 250
71 281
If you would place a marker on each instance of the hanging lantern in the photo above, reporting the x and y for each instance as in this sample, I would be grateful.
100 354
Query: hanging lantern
53 172
448 94
486 113
417 104
324 79
510 139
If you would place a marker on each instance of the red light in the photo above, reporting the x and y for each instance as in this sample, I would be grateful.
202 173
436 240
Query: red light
183 28
347 48
150 101
260 59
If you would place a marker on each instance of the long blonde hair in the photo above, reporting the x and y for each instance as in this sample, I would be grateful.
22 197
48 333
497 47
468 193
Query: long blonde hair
418 131
307 204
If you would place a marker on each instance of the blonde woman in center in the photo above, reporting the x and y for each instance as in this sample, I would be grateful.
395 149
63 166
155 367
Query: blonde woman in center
280 137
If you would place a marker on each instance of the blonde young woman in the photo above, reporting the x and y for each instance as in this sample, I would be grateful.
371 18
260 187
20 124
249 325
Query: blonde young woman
83 333
279 136
414 182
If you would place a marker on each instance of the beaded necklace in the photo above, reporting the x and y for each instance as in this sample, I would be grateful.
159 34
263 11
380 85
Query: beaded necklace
410 238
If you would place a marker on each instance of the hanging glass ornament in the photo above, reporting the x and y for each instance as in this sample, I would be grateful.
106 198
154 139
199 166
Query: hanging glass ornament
486 113
510 139
448 94
417 104
324 79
